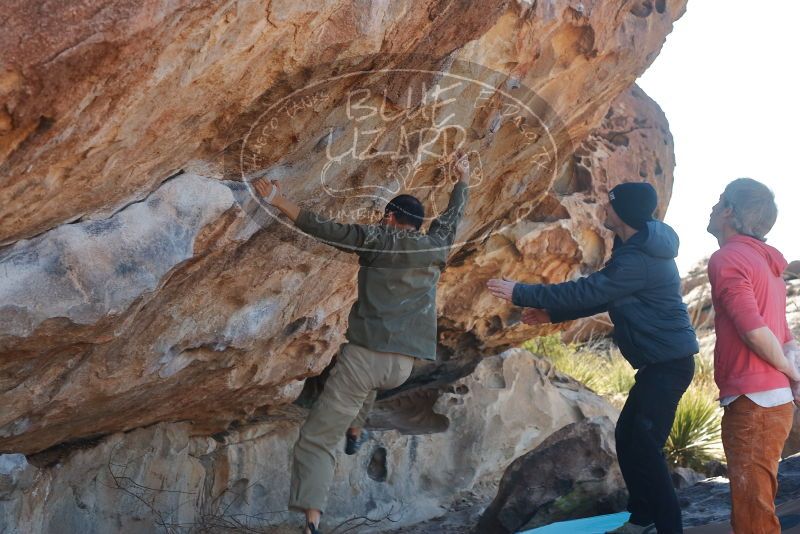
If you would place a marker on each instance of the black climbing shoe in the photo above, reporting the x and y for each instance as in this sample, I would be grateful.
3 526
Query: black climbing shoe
352 443
313 528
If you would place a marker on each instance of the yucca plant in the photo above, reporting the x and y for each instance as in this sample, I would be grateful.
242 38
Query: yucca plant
695 435
704 371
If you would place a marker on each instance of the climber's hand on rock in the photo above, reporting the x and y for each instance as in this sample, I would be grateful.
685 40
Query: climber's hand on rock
535 316
264 189
270 191
462 166
501 288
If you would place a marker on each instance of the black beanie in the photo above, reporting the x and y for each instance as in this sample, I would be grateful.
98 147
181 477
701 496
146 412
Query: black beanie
634 202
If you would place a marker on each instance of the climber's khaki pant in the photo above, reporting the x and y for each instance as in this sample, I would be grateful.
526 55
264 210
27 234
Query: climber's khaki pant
345 401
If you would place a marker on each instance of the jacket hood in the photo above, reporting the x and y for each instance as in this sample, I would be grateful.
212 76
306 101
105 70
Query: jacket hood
777 263
657 239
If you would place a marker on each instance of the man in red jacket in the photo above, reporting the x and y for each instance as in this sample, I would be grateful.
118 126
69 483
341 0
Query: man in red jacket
750 367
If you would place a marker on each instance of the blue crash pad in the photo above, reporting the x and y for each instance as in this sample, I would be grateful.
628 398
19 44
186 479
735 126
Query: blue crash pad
589 525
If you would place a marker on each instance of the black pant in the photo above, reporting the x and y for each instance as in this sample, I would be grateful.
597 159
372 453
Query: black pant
642 431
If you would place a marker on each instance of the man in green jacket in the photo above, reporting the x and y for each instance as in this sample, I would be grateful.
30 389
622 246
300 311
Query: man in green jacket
392 322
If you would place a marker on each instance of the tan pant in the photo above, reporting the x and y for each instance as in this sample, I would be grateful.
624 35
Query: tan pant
345 401
753 439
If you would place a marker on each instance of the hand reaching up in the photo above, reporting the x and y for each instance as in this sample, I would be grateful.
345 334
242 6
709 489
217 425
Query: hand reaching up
462 166
266 189
271 192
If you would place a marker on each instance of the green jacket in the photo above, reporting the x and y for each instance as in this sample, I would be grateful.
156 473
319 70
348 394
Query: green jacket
397 277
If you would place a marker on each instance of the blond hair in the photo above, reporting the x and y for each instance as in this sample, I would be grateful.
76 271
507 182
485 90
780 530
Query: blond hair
753 204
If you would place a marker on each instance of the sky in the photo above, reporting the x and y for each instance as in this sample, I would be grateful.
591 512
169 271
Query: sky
728 79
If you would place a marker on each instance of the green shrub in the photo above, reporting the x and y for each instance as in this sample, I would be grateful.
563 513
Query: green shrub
550 346
618 376
695 435
598 368
583 370
566 360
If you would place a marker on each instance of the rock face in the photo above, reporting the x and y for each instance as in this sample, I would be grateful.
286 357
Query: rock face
138 288
143 285
161 476
573 473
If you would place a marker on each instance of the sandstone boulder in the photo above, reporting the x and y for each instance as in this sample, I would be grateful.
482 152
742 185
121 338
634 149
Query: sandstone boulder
164 476
138 286
573 473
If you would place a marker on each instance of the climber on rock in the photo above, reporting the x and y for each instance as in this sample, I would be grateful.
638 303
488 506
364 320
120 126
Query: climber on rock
392 322
641 289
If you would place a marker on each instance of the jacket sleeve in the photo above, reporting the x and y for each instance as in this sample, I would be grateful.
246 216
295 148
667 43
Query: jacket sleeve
621 277
355 238
733 291
559 316
443 228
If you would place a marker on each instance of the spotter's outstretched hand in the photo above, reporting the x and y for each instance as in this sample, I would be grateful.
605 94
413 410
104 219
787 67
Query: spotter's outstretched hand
535 316
501 288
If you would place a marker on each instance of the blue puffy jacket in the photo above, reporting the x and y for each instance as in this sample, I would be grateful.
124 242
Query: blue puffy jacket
639 287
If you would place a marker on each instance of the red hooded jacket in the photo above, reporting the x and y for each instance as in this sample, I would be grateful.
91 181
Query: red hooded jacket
748 292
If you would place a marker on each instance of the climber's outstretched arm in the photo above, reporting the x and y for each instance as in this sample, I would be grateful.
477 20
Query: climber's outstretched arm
272 194
357 238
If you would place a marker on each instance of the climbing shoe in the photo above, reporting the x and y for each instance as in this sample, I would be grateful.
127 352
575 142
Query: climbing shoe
352 443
